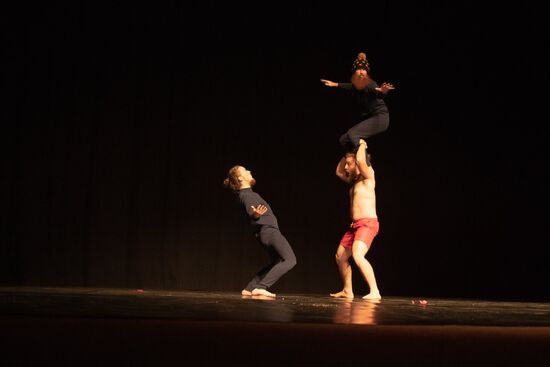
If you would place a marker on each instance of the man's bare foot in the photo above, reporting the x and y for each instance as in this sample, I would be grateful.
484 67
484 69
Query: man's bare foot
262 292
342 294
244 292
373 296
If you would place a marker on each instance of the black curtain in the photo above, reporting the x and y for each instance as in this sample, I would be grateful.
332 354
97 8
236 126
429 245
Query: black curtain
120 124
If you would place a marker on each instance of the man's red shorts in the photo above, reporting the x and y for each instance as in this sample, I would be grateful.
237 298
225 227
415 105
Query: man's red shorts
364 229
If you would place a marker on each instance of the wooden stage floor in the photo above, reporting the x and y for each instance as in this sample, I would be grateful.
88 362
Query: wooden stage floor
100 326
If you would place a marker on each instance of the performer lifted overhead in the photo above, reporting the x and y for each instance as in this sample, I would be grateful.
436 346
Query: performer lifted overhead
375 116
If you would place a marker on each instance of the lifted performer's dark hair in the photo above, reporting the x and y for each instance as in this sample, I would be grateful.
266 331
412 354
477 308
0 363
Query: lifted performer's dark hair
361 62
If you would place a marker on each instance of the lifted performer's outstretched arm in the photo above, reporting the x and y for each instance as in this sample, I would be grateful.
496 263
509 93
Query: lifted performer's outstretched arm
385 88
329 83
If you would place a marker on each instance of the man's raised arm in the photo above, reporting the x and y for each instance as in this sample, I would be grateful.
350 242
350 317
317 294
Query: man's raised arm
362 161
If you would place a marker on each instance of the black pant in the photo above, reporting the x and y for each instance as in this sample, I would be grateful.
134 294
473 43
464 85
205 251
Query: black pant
363 130
281 256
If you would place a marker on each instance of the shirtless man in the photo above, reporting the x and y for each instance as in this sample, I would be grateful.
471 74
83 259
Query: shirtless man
359 174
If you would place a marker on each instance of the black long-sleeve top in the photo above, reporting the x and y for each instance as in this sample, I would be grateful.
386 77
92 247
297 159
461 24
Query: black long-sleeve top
370 100
249 198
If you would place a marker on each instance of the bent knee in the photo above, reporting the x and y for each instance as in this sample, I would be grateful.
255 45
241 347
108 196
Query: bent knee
358 256
344 139
291 262
340 258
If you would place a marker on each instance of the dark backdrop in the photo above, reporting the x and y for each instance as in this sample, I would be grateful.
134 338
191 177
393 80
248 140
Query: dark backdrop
120 123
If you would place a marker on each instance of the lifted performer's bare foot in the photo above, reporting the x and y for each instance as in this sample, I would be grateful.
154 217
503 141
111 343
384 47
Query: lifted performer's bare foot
262 292
244 292
342 294
373 296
